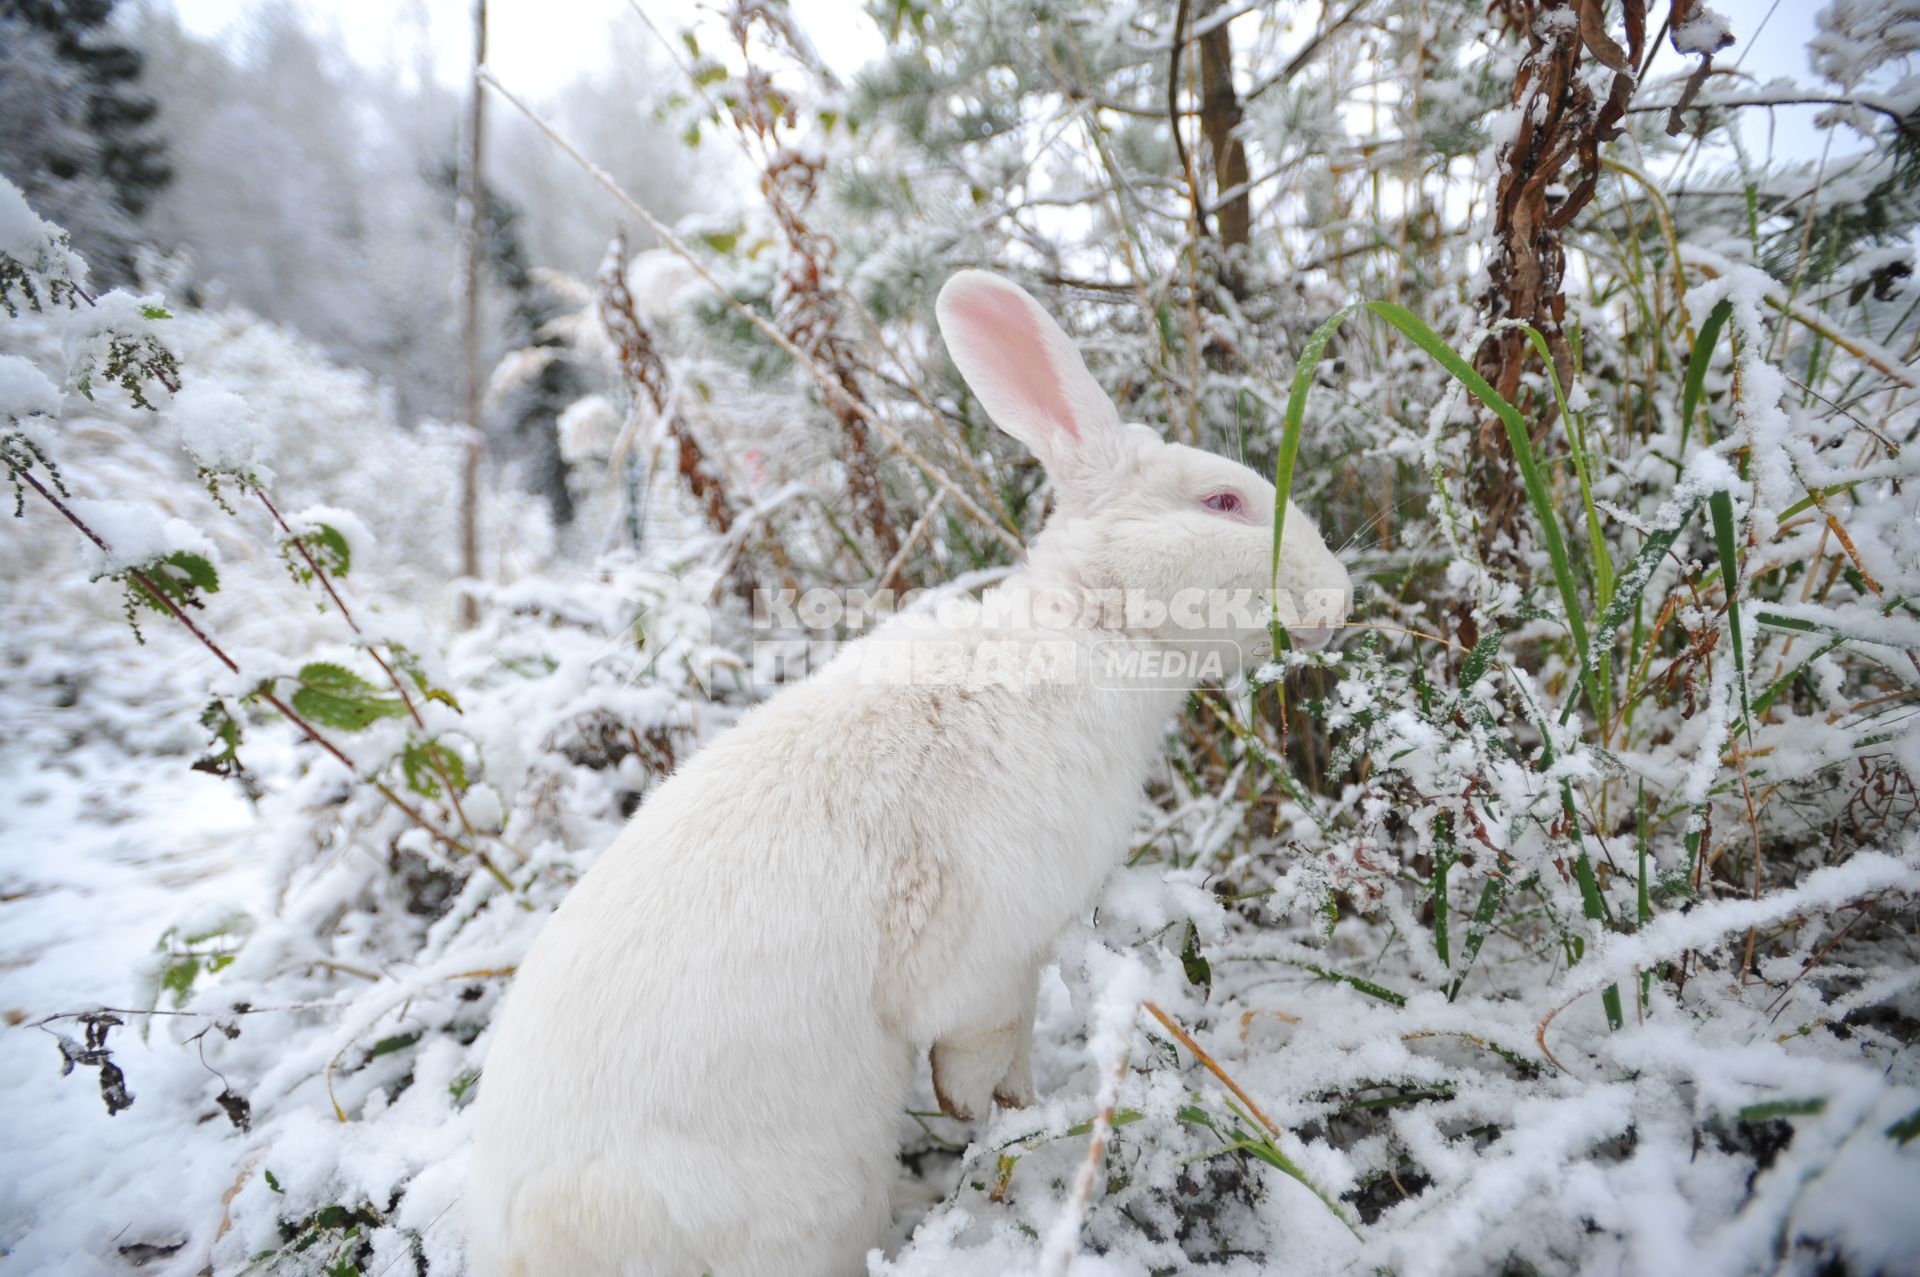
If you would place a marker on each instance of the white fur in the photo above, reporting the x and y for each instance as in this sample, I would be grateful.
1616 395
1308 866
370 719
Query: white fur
701 1064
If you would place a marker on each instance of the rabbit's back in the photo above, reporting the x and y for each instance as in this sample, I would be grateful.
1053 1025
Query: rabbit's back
712 1038
688 1028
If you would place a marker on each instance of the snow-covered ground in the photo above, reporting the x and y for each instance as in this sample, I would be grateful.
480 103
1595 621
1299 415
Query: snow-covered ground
100 853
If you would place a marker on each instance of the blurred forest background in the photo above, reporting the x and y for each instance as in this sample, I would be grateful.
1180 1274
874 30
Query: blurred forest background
389 525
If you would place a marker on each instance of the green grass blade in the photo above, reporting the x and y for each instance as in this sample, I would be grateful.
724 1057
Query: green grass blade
1491 895
1290 428
1633 582
1815 498
1361 983
1424 337
1800 624
1592 903
1697 373
1596 539
1765 700
1722 506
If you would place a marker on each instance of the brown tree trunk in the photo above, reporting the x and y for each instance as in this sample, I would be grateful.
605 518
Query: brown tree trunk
1219 117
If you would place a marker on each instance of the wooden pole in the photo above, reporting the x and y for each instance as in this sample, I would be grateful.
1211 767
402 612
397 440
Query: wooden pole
472 252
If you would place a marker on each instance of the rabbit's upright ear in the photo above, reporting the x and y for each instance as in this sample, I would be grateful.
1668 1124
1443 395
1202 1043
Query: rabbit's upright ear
1031 379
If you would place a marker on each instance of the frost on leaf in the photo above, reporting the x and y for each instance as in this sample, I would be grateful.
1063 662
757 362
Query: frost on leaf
218 430
38 268
333 696
29 402
113 341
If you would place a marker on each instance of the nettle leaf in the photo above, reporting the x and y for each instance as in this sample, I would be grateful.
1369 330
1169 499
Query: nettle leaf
134 360
424 762
337 697
185 956
223 752
410 665
177 978
323 544
19 454
182 576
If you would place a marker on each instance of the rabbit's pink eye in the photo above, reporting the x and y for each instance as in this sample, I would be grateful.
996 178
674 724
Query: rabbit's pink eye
1222 502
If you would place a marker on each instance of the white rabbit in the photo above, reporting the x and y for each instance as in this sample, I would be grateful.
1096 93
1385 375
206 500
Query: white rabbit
702 1062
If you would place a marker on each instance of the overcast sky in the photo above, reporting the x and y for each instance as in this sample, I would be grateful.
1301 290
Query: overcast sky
534 45
538 45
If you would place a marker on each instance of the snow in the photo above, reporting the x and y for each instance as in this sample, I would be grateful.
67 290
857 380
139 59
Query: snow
352 529
1704 32
136 536
587 429
36 244
21 231
25 390
217 428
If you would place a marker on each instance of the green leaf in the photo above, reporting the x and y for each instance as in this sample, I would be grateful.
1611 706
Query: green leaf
1194 963
410 665
1905 1129
1596 539
338 556
339 698
1839 631
1697 362
1491 895
1522 444
181 576
1783 1108
1474 668
273 1182
1364 985
155 312
1814 498
424 762
1722 506
1633 582
398 1042
324 546
177 978
223 752
1290 429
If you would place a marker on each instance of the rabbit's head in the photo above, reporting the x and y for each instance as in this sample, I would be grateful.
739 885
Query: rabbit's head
1183 536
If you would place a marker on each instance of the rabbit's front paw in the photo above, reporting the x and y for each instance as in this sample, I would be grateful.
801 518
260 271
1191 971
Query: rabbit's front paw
1015 1090
971 1069
1015 1087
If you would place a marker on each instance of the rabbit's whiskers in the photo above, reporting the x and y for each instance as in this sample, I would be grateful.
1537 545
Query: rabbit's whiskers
1396 629
1375 522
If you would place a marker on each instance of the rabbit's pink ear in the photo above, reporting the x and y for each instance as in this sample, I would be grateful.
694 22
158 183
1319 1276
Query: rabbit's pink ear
1028 375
